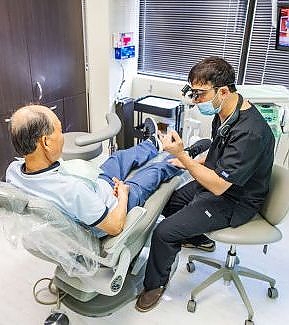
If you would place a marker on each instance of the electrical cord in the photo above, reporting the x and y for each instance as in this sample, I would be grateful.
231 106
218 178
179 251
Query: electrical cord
286 157
53 291
121 83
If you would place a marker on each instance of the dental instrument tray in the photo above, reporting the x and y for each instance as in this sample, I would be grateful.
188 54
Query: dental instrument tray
160 106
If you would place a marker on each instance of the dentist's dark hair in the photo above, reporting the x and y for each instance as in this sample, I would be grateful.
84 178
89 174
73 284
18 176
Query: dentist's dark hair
213 69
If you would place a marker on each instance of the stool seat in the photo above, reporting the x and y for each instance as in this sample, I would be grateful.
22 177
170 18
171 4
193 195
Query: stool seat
257 231
73 151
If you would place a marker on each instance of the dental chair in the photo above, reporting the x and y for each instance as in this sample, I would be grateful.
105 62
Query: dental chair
86 146
93 277
261 230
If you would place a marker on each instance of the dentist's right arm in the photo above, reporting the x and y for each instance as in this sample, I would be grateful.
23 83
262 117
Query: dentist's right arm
202 174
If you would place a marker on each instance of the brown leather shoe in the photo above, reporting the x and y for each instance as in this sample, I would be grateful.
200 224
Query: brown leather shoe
147 300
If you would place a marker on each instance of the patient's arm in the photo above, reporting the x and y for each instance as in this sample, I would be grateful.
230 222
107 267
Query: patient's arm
114 222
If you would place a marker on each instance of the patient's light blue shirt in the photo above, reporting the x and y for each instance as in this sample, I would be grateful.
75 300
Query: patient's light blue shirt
84 199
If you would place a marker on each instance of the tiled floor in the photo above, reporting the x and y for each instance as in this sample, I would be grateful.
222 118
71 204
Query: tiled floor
217 305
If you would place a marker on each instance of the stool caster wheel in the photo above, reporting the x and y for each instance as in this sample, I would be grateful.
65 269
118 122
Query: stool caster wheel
191 306
272 293
249 322
191 267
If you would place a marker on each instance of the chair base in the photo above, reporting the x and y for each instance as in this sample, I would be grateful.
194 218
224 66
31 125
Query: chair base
229 271
102 305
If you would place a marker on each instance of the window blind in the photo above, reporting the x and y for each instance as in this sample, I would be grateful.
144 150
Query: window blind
265 65
174 35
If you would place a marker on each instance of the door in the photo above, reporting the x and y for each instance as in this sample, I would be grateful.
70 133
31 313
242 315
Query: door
57 107
75 118
15 80
7 151
55 45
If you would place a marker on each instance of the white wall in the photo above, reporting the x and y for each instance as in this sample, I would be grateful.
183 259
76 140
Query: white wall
98 46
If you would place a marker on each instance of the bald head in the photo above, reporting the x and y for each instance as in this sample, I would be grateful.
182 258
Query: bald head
28 125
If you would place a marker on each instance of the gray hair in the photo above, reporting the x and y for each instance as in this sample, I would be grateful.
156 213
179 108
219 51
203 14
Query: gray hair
33 126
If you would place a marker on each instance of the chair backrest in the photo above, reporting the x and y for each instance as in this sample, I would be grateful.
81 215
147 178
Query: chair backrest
276 205
46 232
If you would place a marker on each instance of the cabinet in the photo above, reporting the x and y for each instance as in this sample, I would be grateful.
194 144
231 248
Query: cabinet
42 61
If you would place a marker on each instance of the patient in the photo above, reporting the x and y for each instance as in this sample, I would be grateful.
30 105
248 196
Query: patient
101 203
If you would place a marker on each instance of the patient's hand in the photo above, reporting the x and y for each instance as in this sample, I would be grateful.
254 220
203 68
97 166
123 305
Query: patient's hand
120 189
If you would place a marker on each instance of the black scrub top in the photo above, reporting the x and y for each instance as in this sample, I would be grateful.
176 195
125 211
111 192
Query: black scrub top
244 158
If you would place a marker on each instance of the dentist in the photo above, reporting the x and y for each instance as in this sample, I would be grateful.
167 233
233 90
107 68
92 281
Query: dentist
230 184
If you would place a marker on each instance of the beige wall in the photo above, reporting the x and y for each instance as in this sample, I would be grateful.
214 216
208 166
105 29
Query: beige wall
105 74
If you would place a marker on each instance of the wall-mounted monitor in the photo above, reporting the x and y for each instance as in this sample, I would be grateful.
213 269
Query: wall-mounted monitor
282 30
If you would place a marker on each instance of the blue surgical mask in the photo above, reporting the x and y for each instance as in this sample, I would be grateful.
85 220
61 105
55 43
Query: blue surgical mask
207 108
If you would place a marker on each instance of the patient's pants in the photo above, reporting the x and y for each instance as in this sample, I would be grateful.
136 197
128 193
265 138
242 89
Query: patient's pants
146 180
190 212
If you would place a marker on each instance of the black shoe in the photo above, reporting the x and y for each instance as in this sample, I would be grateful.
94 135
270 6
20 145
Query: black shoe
209 247
201 242
151 133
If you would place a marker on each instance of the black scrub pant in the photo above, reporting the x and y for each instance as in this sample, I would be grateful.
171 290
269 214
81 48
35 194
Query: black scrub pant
189 213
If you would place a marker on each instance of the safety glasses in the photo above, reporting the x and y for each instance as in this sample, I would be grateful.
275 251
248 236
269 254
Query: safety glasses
194 93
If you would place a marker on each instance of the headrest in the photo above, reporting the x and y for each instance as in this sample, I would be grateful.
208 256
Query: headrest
114 126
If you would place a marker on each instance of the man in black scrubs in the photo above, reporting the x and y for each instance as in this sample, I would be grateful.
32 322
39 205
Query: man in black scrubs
229 185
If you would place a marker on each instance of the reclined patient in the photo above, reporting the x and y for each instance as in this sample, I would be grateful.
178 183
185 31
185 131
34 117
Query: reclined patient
100 202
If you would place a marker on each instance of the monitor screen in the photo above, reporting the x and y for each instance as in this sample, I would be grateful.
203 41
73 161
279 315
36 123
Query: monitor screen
282 35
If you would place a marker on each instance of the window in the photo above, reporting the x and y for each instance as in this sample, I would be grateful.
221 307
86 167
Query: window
265 64
174 35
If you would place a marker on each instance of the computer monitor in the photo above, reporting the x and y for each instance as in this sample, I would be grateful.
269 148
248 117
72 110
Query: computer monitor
282 30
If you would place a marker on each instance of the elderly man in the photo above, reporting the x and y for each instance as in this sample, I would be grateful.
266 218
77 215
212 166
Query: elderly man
101 203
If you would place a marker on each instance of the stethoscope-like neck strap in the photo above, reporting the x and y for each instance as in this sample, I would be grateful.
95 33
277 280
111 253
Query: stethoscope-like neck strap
240 102
236 111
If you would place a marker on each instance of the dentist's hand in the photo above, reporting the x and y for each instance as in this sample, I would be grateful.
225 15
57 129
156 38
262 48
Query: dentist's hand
175 162
172 143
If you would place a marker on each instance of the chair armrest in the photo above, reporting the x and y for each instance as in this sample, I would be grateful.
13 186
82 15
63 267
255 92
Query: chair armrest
130 231
114 126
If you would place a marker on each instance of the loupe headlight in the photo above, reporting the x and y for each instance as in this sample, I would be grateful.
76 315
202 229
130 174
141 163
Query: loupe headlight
187 91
